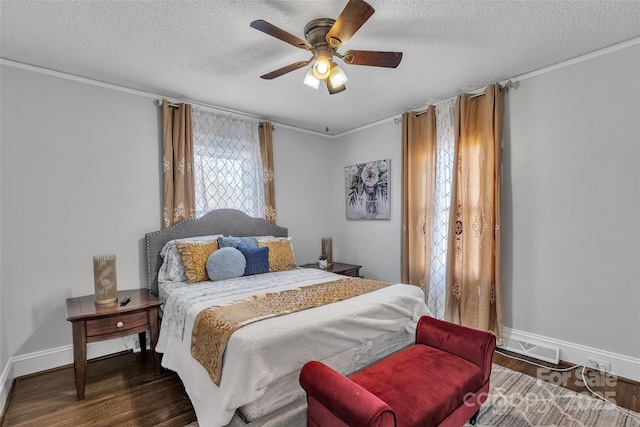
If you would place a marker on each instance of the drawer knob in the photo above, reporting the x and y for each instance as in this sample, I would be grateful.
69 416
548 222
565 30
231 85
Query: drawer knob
119 324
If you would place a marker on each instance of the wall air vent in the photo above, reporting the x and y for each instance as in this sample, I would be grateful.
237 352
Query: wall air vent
548 354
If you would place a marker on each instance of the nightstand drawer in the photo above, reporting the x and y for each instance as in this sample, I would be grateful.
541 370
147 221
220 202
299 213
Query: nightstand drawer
354 272
114 324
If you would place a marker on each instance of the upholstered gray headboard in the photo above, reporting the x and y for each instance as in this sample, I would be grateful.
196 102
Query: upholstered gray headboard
229 222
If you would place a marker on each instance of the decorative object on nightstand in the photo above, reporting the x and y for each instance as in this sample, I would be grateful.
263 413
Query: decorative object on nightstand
327 249
136 314
322 262
338 268
105 281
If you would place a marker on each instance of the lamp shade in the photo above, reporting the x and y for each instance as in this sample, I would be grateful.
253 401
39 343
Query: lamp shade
105 280
311 80
337 76
333 89
327 249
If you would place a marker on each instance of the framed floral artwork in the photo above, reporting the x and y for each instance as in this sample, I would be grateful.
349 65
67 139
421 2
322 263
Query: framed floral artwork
367 190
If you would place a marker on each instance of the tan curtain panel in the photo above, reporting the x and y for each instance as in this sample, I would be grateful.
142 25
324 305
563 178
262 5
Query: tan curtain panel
266 149
474 292
419 174
177 162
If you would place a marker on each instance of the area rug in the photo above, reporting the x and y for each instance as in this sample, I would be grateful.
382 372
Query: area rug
518 400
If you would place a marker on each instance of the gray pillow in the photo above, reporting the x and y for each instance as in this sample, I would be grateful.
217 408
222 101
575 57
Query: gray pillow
226 263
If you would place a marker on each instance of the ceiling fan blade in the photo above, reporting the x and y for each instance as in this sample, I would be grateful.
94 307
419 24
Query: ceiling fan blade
279 33
373 58
333 90
285 70
354 15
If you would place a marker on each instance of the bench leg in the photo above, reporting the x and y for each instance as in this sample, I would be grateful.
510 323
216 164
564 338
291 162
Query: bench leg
474 418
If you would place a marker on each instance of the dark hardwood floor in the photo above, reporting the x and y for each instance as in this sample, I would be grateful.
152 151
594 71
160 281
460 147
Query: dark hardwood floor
123 390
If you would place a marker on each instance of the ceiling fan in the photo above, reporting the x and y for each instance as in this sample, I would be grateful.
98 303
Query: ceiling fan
323 37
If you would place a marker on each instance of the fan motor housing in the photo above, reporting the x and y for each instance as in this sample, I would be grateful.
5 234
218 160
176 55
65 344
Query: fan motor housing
316 31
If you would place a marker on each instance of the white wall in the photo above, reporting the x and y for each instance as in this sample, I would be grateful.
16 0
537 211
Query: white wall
572 204
304 192
4 351
80 176
571 236
374 244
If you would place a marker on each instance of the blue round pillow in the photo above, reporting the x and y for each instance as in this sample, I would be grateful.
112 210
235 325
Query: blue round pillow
226 263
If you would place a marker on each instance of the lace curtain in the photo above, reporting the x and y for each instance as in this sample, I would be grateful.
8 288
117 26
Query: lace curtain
436 299
228 170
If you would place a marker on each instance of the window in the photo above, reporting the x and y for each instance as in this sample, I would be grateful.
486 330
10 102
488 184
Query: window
227 163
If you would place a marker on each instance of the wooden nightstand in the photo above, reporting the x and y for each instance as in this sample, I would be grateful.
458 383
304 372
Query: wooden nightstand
339 268
95 322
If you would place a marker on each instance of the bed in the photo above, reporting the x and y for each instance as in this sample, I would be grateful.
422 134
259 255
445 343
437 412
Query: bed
258 377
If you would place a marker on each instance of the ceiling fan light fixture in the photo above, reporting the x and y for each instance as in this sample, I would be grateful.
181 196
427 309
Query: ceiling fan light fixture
311 80
337 76
321 66
323 36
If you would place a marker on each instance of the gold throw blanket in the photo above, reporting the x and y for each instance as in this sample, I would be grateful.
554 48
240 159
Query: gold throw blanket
214 325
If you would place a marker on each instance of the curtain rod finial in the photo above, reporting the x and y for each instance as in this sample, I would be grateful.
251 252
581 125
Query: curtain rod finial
510 84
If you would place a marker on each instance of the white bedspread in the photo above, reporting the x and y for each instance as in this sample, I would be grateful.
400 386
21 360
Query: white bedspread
265 351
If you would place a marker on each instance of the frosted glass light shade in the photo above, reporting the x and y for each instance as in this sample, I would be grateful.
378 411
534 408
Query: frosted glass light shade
337 76
311 80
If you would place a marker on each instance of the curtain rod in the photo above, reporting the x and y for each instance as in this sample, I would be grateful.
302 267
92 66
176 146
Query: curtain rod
172 105
208 108
507 85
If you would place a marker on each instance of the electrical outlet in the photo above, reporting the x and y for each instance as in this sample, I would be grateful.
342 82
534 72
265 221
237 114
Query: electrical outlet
602 365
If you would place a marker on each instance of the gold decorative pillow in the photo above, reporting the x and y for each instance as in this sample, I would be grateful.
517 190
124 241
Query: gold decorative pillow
280 253
194 258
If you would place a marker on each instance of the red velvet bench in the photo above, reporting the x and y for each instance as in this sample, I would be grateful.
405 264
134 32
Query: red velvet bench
442 380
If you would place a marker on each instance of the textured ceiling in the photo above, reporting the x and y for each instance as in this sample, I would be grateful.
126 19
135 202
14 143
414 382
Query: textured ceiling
205 51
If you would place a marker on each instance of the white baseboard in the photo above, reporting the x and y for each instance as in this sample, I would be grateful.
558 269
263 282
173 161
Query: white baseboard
31 363
6 379
621 365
